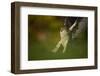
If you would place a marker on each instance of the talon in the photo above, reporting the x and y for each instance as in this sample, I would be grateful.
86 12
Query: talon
64 51
54 50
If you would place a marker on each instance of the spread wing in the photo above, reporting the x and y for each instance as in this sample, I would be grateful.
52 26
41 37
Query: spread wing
74 26
79 28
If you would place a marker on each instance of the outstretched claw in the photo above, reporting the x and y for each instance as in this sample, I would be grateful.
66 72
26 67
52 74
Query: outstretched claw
55 50
63 51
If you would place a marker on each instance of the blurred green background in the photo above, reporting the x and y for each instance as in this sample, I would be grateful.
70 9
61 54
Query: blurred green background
43 35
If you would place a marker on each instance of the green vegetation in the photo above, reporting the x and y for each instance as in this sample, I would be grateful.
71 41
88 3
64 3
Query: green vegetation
43 35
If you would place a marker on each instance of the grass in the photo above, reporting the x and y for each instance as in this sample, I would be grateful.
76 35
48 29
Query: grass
77 48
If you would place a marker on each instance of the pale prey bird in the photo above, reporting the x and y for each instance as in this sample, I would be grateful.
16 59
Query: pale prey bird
64 36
